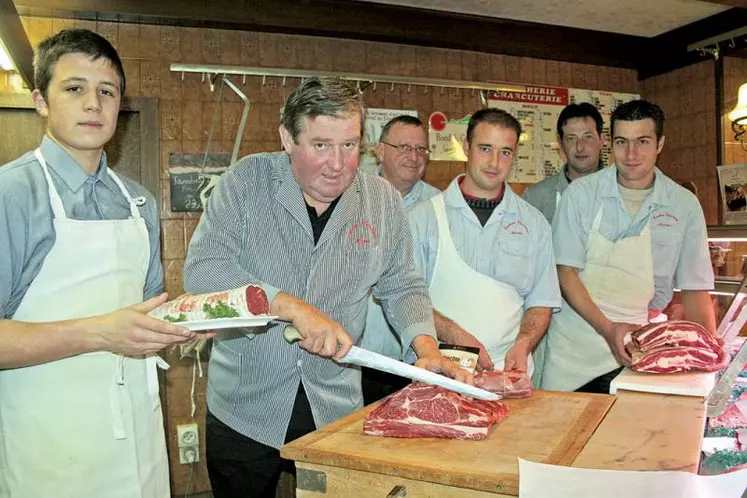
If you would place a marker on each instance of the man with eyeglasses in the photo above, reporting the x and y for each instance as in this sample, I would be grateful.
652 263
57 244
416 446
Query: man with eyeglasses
487 254
581 140
624 237
402 153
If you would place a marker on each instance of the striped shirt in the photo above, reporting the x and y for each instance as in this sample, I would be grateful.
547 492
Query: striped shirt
256 229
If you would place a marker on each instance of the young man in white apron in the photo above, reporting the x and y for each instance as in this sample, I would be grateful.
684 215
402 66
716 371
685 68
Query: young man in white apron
79 408
624 238
581 137
485 252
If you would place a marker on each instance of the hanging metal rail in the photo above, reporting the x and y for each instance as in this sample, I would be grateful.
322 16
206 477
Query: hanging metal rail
359 77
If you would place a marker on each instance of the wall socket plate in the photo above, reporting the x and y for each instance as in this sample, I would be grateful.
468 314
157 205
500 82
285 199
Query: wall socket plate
189 454
187 435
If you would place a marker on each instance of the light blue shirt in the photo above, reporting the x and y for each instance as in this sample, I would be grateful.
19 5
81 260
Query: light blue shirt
380 336
419 192
26 231
679 243
514 247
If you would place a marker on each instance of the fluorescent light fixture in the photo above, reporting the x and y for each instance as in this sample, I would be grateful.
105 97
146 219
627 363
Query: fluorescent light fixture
5 63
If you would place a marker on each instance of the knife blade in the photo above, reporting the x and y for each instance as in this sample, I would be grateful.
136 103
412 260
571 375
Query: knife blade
365 358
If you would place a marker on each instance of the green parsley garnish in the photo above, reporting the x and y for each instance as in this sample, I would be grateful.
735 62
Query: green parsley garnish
219 310
181 318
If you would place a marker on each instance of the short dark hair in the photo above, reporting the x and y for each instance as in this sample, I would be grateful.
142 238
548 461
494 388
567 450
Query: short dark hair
401 119
73 41
583 110
496 117
314 97
636 110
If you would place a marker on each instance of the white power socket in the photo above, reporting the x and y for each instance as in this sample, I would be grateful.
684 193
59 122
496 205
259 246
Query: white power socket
188 440
187 435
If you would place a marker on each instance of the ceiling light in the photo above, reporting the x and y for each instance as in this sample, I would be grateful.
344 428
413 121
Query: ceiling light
738 116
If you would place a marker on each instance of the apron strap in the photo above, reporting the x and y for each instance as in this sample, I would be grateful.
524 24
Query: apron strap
54 198
134 203
440 209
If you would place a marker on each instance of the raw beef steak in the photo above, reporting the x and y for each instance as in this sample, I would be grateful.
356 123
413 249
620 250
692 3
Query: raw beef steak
674 346
424 410
507 384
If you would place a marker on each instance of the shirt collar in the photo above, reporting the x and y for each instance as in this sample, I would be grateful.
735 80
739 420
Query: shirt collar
72 173
453 197
660 195
562 182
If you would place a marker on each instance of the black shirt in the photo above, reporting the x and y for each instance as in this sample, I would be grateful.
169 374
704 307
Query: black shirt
482 208
319 222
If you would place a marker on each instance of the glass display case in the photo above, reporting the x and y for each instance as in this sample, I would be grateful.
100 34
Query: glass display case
725 444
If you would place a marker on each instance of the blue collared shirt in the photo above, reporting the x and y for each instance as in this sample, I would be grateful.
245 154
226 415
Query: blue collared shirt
419 192
26 231
679 243
514 246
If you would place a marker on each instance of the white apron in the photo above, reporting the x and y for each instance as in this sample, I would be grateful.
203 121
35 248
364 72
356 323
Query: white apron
620 280
486 308
88 426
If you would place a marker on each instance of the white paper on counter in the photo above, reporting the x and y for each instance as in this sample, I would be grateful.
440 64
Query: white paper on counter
540 480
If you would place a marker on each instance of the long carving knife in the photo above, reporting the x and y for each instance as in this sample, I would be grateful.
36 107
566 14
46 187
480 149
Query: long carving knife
365 358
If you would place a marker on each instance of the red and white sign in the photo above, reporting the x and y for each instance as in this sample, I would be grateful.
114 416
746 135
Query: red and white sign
548 95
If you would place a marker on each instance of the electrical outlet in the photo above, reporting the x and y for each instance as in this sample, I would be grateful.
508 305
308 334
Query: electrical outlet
187 435
189 454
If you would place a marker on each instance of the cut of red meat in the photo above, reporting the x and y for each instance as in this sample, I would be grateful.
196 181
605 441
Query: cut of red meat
424 410
256 300
732 416
674 346
675 359
507 384
673 333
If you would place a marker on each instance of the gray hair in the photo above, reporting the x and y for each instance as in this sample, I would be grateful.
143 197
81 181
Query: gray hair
316 97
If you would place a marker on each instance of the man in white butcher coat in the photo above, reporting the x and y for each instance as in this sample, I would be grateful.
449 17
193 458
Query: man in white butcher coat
79 251
486 253
624 238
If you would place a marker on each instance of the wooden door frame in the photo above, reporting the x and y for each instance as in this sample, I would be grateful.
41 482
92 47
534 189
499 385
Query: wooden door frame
150 136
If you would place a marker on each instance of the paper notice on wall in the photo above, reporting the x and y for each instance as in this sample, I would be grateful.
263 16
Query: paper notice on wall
732 179
375 121
539 480
447 137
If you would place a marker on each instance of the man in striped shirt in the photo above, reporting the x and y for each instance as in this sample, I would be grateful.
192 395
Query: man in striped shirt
318 236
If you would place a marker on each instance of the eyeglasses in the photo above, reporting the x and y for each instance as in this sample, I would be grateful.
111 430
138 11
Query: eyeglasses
406 149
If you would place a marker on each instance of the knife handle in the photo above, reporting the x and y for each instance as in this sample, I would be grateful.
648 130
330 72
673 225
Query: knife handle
291 334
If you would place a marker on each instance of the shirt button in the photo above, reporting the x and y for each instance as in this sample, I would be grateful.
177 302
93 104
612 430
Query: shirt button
299 363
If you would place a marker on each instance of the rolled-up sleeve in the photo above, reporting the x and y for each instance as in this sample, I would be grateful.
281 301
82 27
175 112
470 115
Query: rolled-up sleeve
694 270
213 257
568 234
545 290
401 289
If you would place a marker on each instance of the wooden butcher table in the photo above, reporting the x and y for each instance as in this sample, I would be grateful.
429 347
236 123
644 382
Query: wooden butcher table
629 431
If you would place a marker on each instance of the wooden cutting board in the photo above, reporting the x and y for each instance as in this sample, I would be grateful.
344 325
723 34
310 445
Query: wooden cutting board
550 427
